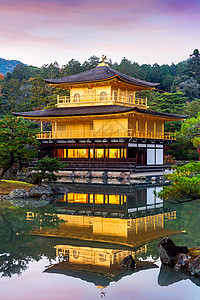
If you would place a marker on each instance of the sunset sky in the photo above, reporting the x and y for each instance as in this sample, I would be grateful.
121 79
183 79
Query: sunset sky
39 32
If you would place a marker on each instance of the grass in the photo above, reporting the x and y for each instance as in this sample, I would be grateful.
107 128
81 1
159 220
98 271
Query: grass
7 186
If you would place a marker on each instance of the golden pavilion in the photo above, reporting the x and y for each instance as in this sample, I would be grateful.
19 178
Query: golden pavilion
100 124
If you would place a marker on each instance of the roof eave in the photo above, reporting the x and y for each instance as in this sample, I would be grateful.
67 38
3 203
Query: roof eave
146 86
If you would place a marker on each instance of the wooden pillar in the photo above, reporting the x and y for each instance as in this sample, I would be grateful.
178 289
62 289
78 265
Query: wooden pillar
146 128
41 126
127 154
154 129
93 152
56 129
55 150
163 130
137 128
118 94
104 153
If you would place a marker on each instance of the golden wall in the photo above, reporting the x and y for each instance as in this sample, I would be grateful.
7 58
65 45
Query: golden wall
110 125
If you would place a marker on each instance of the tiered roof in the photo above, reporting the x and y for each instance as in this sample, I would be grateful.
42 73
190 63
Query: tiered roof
100 73
93 110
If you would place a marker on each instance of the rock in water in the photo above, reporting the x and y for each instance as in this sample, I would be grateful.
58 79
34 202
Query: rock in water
40 190
194 267
168 251
128 263
182 261
17 194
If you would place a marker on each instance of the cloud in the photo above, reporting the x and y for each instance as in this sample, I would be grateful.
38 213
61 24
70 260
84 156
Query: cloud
81 26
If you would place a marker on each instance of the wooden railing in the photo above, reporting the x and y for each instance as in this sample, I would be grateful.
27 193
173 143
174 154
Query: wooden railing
87 134
98 99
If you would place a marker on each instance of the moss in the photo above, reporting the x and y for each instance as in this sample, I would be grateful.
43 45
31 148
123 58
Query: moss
7 186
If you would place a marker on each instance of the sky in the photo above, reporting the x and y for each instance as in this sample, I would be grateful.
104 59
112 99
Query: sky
38 32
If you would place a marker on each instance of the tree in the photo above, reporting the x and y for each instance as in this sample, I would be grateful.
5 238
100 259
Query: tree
40 93
21 72
17 141
173 103
71 68
193 65
187 144
190 88
50 71
10 92
91 63
190 130
46 168
192 108
185 184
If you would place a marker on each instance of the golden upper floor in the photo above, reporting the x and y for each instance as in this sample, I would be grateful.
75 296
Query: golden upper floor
100 86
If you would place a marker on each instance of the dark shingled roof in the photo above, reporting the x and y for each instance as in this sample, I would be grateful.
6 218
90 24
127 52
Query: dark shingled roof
98 74
92 110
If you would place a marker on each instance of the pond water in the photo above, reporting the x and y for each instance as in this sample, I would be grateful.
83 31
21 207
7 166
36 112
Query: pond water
71 248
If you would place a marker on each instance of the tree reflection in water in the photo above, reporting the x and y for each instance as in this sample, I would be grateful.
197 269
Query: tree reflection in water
17 247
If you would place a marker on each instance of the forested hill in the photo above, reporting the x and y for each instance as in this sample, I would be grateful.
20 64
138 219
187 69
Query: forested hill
24 89
7 65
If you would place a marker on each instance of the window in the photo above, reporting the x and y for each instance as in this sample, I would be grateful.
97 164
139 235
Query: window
78 153
99 199
131 98
61 153
114 153
99 153
115 96
114 199
77 97
103 96
77 198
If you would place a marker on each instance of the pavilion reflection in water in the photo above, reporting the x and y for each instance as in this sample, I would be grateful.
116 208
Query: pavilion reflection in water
106 224
112 218
109 201
99 266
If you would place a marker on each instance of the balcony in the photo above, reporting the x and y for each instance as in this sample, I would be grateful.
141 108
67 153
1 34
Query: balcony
91 134
106 99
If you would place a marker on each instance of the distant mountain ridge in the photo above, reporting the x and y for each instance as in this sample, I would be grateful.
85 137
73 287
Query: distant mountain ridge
7 65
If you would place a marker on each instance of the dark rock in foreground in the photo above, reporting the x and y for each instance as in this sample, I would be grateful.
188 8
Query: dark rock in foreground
168 251
180 258
182 261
